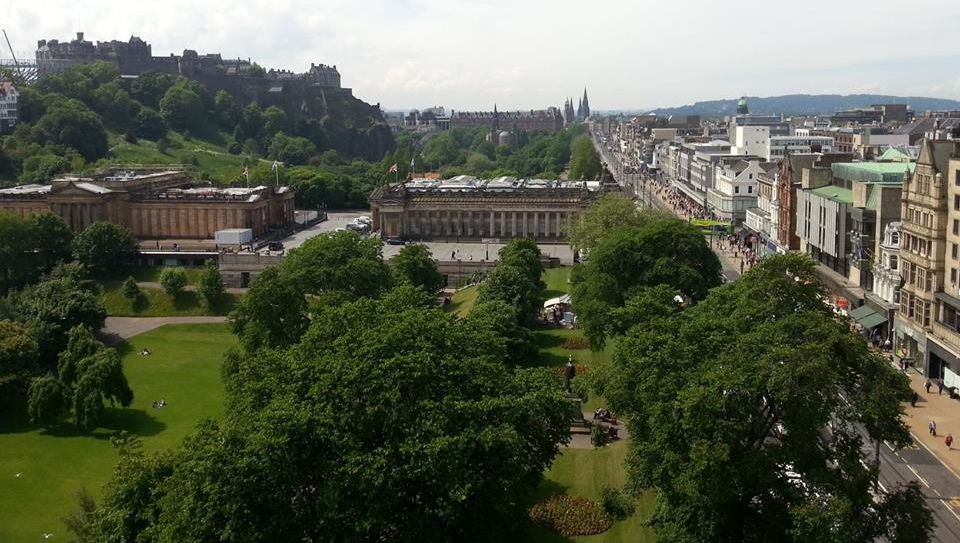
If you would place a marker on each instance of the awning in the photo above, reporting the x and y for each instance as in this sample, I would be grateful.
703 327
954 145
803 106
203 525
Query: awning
867 317
564 300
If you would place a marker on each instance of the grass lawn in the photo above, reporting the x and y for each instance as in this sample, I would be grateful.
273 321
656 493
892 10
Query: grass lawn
151 274
156 303
211 157
583 472
462 301
183 369
556 280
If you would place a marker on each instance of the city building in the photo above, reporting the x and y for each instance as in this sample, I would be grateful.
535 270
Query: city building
926 323
793 169
544 120
763 219
778 147
8 107
154 203
750 140
466 208
734 188
883 299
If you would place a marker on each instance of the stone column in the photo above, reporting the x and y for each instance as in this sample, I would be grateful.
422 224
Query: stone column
490 233
546 224
524 227
536 224
513 224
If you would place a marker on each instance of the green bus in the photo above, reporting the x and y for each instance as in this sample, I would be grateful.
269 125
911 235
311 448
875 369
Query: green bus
715 228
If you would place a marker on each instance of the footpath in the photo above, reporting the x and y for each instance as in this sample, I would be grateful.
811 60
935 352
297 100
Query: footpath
938 408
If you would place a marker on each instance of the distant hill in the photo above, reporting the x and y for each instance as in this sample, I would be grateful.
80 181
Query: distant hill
807 104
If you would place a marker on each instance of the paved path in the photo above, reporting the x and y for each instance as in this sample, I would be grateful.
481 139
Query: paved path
118 328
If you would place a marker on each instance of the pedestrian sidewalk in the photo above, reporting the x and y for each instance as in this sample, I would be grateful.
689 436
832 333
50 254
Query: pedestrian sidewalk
940 409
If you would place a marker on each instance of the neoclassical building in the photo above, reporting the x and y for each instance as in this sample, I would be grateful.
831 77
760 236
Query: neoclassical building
886 268
465 208
154 203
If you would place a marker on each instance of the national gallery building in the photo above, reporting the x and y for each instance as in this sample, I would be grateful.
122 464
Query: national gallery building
465 208
154 203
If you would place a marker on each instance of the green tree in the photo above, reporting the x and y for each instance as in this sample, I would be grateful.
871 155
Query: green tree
747 414
610 212
131 290
47 400
149 88
665 251
181 107
150 125
173 280
53 240
17 244
272 314
414 264
512 285
52 308
584 160
115 104
295 151
524 254
72 124
342 266
503 321
255 70
333 439
19 354
274 121
226 109
105 248
210 285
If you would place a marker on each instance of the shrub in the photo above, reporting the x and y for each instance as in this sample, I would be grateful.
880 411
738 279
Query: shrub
575 343
130 289
162 145
130 137
234 147
617 503
599 435
173 280
570 516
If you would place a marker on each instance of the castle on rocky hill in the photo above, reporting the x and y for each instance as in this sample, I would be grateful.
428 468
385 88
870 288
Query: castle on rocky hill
354 127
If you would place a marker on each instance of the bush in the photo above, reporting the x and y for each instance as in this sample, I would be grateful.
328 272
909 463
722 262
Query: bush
234 147
130 137
570 516
162 145
617 503
130 289
173 280
599 435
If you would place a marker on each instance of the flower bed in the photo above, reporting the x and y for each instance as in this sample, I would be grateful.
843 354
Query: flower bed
570 516
582 369
575 343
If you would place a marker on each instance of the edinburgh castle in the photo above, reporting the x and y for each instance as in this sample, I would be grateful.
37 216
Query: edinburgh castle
354 127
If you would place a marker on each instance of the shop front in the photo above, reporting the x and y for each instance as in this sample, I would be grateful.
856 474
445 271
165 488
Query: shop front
909 346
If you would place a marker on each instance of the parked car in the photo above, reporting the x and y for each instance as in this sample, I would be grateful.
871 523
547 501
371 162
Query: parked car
275 246
396 241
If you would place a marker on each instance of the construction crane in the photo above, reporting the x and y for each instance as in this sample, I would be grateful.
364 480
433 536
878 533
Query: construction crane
27 73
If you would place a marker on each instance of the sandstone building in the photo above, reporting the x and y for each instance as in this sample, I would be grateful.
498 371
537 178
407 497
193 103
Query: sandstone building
157 204
535 120
466 208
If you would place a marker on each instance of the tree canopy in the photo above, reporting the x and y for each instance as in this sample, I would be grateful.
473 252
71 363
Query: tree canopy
748 414
610 212
414 264
105 248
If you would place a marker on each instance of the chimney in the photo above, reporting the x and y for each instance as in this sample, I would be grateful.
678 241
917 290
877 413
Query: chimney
79 36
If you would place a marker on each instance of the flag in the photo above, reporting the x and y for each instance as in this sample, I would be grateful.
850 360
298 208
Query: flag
275 165
393 169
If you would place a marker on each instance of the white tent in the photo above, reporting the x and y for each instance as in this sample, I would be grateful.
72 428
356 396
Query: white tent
562 300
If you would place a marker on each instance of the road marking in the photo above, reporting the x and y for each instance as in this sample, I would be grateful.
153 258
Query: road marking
951 503
921 479
937 492
929 450
887 443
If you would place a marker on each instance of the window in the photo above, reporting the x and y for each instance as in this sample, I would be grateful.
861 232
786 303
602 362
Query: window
956 201
954 251
893 262
750 189
956 227
953 275
736 190
956 178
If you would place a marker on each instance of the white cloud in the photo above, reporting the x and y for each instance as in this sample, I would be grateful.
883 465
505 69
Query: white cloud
467 54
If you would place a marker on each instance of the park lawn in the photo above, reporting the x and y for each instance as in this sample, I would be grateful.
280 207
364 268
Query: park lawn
556 280
183 369
207 155
582 472
462 301
155 302
151 274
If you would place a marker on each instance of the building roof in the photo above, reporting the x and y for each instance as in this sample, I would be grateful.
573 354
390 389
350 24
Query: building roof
25 189
835 193
872 172
900 153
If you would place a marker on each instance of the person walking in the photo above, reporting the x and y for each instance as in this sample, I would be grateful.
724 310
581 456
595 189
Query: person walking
932 427
939 387
913 399
927 386
949 441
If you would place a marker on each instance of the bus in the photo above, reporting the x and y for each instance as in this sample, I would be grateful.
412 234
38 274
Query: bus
711 227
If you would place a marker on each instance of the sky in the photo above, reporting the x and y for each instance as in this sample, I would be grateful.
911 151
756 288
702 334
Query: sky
523 54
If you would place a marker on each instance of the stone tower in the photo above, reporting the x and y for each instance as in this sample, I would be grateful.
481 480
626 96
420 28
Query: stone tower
586 104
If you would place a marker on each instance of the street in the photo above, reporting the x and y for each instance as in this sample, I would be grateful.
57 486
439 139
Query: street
939 483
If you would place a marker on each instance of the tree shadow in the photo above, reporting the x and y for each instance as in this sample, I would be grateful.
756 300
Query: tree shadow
135 421
535 533
185 300
140 303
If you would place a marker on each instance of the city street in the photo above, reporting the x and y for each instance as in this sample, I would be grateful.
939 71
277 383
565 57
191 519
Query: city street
938 478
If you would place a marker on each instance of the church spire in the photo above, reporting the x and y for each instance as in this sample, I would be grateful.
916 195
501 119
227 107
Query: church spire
586 104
